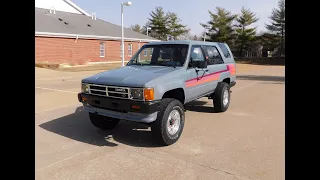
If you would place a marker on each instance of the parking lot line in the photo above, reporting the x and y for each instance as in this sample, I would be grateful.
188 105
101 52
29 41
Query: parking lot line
39 170
245 86
72 80
50 89
55 108
55 78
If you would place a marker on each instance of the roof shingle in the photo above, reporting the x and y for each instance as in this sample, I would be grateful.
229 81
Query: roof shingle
71 23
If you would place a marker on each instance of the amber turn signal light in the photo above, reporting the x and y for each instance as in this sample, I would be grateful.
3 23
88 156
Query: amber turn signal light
149 94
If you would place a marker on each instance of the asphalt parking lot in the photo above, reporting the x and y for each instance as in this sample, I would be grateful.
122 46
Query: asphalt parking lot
246 142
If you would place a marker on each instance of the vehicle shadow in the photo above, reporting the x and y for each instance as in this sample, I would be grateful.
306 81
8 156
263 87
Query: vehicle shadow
261 78
77 126
199 106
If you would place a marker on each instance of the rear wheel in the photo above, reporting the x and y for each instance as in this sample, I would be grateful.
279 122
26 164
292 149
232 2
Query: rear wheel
169 125
102 122
221 97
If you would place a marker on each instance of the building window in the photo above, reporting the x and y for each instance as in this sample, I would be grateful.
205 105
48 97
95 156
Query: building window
102 49
145 53
130 50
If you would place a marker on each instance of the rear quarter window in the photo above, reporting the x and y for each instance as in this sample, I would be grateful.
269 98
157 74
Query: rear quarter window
214 56
224 50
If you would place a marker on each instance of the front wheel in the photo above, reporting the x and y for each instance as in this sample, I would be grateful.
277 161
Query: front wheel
221 97
105 123
169 125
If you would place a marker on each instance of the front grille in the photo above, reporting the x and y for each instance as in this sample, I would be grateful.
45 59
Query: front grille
102 93
109 91
114 89
98 87
110 94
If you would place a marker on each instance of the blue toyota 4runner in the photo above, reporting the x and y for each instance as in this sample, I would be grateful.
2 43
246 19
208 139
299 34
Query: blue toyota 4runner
157 82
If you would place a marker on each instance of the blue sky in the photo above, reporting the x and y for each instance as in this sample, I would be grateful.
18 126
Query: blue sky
191 12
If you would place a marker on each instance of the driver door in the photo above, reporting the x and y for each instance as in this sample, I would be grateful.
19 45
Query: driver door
195 84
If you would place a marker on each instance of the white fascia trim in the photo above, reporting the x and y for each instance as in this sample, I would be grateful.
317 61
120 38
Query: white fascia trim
77 7
81 36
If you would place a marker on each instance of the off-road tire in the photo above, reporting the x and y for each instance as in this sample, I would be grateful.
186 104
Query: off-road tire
159 127
218 97
102 122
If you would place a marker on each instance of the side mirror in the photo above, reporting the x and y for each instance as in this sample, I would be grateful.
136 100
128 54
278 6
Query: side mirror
191 63
202 64
198 64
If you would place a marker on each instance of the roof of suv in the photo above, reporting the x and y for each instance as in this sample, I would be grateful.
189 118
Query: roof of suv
187 42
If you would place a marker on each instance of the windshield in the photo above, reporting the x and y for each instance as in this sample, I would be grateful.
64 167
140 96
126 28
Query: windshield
161 55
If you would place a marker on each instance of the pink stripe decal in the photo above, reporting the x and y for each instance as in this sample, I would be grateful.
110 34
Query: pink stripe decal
206 78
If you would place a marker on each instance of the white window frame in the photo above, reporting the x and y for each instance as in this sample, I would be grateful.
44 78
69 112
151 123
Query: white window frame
130 49
145 53
102 49
151 51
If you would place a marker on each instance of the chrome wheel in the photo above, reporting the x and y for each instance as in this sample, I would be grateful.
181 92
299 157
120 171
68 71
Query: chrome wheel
173 123
225 97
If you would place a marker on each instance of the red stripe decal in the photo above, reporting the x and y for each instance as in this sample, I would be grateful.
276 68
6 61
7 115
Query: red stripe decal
209 77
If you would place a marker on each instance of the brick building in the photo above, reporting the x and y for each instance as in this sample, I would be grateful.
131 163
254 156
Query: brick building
64 33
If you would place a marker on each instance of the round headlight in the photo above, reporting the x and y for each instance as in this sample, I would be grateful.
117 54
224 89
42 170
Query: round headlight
137 94
85 88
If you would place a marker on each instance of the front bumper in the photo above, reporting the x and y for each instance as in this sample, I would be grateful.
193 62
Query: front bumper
145 112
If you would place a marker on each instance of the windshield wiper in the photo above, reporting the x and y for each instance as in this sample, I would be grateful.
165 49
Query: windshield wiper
171 65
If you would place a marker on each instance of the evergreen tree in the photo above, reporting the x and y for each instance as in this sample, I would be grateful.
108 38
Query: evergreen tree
158 23
245 35
175 28
136 28
277 25
195 37
220 27
144 28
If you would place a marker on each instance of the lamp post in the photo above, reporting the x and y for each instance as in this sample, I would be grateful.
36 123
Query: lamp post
128 3
148 28
204 34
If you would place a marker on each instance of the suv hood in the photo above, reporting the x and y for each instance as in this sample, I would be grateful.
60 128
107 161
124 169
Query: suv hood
130 76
